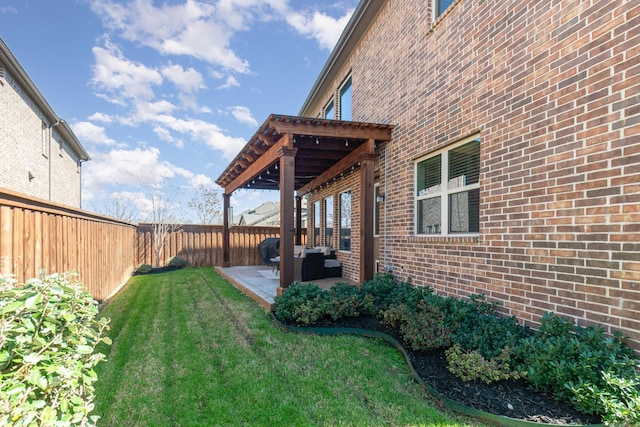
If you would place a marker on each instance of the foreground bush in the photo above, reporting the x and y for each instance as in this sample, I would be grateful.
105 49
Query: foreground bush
48 336
597 373
177 262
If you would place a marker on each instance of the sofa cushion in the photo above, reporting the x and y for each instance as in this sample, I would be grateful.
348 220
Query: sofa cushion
309 251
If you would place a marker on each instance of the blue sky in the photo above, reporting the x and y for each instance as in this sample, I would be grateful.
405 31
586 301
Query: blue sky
163 94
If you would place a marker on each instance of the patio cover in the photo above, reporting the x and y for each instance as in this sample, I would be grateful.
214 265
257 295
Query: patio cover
296 155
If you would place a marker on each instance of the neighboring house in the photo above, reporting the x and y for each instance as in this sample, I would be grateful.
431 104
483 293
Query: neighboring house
41 156
513 165
266 215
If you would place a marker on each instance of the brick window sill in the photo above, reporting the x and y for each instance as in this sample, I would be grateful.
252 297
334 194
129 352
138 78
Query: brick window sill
445 239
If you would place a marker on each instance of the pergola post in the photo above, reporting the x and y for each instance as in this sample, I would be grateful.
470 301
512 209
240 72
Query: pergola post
367 181
287 157
226 252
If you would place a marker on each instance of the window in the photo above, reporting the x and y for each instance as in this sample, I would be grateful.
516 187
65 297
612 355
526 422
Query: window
440 6
345 221
345 100
448 190
330 110
328 221
316 223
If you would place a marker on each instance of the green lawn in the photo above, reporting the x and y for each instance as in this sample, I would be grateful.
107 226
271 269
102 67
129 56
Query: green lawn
190 350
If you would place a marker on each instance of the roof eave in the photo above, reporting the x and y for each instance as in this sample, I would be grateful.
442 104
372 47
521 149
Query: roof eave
13 66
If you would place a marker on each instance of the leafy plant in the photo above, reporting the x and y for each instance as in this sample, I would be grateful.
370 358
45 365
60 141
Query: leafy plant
489 334
48 337
617 398
383 291
581 365
177 262
422 328
344 301
143 269
302 304
472 365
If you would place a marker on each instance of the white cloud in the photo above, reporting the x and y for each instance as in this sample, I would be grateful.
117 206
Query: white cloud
165 135
193 28
199 179
101 117
140 166
187 80
117 75
325 29
207 133
88 132
243 115
229 83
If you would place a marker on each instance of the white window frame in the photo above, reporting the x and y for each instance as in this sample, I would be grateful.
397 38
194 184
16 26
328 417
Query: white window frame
445 190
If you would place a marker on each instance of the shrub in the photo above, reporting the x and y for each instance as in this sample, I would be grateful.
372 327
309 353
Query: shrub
177 262
142 269
383 291
302 304
47 352
422 328
472 365
344 301
580 365
489 334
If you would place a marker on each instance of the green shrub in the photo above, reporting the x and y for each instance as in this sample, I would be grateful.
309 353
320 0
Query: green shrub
422 328
143 269
489 334
580 365
47 352
344 301
302 304
177 262
383 291
472 365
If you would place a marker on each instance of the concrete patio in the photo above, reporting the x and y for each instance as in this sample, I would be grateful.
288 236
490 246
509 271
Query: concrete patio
260 282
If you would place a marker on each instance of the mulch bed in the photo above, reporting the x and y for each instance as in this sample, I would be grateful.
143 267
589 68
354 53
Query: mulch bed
511 398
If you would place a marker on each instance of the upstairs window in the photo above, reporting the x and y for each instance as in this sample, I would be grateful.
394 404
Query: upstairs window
345 100
447 200
330 110
440 6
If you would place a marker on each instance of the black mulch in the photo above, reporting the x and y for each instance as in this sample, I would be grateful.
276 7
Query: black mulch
510 398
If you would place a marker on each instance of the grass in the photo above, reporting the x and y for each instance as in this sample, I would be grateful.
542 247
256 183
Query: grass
190 350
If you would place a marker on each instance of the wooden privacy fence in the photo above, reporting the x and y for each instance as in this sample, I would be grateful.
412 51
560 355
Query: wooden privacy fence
38 237
201 245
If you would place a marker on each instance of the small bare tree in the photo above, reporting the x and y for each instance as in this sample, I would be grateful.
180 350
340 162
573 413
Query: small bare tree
206 203
120 208
163 222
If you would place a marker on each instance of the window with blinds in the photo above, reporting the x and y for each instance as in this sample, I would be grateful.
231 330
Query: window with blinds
448 190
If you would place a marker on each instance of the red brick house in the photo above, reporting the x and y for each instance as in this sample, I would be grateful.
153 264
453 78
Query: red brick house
501 153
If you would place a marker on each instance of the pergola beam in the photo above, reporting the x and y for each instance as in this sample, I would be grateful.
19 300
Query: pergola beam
344 164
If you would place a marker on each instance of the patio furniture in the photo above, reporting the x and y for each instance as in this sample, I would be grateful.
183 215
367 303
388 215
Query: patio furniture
269 248
309 266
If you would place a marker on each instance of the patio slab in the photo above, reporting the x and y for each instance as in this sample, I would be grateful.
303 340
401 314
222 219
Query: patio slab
260 282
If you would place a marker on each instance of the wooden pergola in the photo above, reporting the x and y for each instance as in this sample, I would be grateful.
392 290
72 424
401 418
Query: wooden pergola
296 155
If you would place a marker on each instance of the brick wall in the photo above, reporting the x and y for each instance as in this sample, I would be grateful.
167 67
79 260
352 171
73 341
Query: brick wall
55 177
552 87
